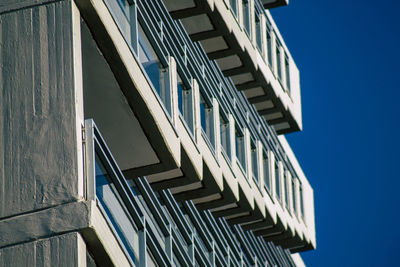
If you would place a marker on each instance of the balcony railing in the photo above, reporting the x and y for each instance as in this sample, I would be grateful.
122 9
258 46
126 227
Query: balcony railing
136 216
169 40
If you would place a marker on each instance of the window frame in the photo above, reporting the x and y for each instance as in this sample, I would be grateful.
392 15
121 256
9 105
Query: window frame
267 171
186 109
208 128
224 120
164 95
240 155
254 149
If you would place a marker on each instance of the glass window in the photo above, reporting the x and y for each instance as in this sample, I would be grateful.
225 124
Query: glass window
277 182
225 135
267 178
294 203
278 60
240 148
258 33
301 201
254 162
286 184
287 72
234 7
246 17
207 120
115 210
158 74
269 46
185 103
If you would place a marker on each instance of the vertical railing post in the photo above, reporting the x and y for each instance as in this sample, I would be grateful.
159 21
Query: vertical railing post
90 172
142 245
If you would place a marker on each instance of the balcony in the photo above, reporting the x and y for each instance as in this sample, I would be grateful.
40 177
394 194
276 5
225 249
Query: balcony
147 228
169 113
247 46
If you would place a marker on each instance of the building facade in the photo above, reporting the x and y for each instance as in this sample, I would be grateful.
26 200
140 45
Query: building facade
149 133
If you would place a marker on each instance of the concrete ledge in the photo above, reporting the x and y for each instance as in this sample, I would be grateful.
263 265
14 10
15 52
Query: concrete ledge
39 224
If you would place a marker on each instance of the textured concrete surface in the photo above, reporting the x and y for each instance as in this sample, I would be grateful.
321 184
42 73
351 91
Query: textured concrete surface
60 250
38 163
60 219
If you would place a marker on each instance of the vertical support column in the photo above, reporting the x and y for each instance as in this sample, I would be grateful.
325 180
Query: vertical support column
40 74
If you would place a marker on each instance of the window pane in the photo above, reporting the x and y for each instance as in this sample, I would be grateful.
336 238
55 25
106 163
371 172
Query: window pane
267 178
158 74
225 138
294 204
115 210
258 33
277 182
269 46
287 71
246 17
254 162
301 202
185 103
240 149
234 7
286 184
207 120
278 61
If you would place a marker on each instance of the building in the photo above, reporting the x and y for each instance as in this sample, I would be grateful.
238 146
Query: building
149 133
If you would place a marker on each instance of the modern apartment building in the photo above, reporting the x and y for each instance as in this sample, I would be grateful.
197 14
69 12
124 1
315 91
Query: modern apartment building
149 133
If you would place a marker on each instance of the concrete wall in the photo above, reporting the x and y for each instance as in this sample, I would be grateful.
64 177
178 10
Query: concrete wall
63 250
38 141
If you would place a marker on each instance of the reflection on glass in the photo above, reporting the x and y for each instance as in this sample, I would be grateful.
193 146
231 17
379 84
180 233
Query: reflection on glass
286 183
158 74
287 71
258 33
207 120
294 203
269 46
225 136
278 60
185 103
246 16
267 178
254 162
277 182
240 149
112 205
234 7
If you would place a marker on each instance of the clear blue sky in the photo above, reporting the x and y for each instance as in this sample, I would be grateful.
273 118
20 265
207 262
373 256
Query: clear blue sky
348 53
